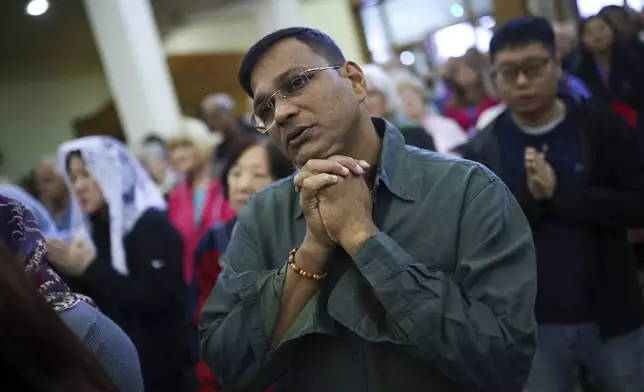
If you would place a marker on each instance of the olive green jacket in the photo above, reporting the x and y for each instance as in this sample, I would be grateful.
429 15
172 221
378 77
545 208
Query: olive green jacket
441 299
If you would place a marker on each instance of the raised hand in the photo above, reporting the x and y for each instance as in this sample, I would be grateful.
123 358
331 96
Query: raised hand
540 175
72 259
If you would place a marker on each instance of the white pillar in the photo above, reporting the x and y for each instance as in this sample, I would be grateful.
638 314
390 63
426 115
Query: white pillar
273 15
133 59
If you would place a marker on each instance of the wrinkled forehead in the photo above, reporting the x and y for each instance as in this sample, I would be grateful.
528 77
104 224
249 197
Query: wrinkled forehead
281 60
519 54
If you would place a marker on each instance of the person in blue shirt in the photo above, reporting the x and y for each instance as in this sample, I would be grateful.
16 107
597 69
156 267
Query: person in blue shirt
52 192
23 227
574 167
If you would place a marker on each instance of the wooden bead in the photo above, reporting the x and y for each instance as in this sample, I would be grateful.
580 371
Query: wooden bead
300 271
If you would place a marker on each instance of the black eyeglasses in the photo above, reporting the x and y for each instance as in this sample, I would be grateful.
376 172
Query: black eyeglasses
264 114
531 69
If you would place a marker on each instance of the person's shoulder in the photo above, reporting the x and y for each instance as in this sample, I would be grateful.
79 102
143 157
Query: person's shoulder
153 217
440 123
274 192
450 182
80 319
89 324
210 240
438 167
154 222
488 116
115 352
275 200
600 120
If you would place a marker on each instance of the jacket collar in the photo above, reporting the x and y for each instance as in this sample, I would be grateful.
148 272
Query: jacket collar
392 168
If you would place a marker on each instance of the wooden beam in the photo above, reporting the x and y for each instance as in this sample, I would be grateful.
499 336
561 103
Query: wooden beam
505 10
362 37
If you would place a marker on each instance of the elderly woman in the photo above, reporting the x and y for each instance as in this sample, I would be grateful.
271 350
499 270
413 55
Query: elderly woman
134 270
154 157
383 101
469 93
197 202
255 164
447 134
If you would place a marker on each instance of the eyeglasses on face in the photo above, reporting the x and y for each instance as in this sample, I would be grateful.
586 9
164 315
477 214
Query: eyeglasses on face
293 86
531 69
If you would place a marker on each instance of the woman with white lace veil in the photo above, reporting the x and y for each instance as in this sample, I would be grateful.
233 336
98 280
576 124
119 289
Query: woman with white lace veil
135 273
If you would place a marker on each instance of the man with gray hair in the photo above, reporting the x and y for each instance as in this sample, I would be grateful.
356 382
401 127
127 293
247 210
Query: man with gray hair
218 112
52 192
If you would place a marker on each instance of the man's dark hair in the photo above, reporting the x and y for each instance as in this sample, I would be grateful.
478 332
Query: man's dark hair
520 32
613 8
319 43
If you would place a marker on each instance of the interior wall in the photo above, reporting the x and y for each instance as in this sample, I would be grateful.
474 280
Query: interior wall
42 106
335 18
36 116
213 35
39 107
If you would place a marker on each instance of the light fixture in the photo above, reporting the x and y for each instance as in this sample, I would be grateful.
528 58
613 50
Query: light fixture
457 10
380 56
487 21
407 58
37 7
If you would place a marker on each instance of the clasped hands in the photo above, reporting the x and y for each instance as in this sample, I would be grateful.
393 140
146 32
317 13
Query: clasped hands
70 259
336 202
541 177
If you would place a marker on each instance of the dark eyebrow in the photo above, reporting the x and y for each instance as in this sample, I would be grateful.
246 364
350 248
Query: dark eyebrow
523 61
277 81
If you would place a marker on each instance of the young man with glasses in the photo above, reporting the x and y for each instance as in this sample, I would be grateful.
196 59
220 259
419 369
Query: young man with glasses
574 167
378 267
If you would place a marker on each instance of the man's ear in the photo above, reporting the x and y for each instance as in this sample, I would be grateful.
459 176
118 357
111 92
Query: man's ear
354 74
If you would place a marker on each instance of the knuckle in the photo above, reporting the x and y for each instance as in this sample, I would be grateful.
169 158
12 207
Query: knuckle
312 164
343 159
301 176
308 183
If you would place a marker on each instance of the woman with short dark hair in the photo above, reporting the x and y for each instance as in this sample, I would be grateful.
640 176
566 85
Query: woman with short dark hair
254 164
611 69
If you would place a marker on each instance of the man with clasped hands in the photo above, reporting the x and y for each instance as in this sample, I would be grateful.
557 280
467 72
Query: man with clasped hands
378 267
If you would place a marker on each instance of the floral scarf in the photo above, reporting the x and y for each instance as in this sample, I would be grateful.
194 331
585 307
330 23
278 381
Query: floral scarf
19 232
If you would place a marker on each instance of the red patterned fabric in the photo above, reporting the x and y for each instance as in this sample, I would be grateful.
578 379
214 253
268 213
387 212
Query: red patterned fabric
626 112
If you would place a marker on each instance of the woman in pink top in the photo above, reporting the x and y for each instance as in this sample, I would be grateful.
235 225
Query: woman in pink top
196 202
447 134
469 94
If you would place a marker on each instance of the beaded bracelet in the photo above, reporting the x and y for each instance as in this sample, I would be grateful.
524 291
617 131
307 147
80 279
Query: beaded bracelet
300 271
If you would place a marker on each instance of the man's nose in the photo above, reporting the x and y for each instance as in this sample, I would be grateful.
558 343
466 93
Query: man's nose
522 80
246 182
284 109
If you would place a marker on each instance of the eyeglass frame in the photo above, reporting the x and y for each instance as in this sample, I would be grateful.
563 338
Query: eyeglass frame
522 69
278 93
